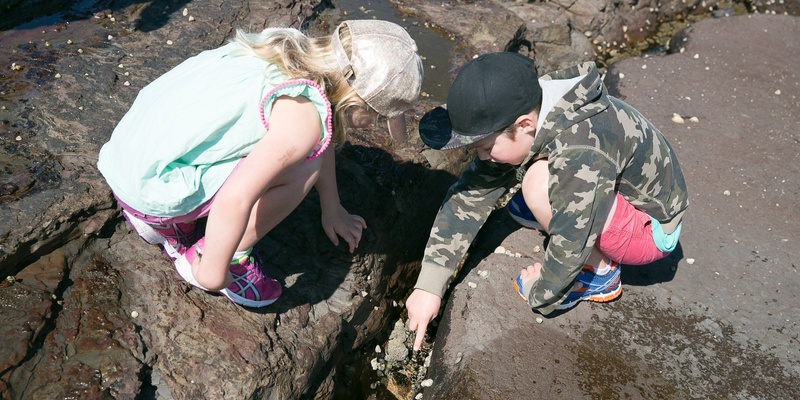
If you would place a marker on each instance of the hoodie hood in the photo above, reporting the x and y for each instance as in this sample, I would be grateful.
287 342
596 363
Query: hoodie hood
586 99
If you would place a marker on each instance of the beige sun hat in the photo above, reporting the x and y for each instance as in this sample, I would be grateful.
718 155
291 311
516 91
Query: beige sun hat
384 67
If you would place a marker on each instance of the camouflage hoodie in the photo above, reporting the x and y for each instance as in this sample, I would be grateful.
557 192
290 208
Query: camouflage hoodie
595 145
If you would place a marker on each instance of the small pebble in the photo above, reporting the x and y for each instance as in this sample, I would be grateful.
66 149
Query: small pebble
690 261
80 51
696 56
778 92
500 250
472 285
169 42
121 66
644 66
364 293
58 76
621 75
69 41
110 37
726 193
539 320
191 18
18 138
677 119
185 12
536 249
427 383
458 357
418 396
483 274
588 33
127 83
134 314
377 348
694 119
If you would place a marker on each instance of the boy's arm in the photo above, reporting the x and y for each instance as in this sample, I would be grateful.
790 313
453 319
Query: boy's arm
465 209
462 214
581 191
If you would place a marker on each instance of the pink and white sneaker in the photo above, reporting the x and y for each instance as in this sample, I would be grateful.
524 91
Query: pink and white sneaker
250 287
173 238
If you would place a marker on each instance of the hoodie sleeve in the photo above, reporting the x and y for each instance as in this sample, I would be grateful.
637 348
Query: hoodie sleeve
581 190
462 214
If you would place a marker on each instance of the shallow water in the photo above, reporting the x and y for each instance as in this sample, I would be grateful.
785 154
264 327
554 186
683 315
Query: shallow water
434 47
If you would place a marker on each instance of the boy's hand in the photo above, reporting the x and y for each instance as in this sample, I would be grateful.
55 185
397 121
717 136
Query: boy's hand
422 307
531 272
341 223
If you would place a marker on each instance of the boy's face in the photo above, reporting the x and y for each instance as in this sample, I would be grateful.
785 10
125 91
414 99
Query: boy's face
502 148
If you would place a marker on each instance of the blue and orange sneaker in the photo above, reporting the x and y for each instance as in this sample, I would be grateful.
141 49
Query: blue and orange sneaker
588 286
518 287
520 213
250 287
593 287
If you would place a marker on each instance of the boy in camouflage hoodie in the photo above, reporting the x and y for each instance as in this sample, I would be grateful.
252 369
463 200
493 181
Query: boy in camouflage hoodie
595 175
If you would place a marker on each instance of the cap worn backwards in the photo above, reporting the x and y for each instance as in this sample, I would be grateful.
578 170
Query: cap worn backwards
384 68
489 94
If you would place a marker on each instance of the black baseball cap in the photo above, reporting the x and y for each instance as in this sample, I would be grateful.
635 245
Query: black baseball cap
489 94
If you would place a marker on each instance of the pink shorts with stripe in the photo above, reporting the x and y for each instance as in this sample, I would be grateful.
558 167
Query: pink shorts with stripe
628 239
194 215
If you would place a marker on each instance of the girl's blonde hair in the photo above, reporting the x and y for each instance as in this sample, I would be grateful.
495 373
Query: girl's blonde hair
301 57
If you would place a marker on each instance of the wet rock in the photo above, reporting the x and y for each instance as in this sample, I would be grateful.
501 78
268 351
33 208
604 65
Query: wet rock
720 318
396 349
122 323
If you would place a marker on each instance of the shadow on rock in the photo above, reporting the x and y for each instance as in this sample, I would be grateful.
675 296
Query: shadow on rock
659 271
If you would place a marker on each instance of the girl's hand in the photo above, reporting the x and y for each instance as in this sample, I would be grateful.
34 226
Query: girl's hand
338 222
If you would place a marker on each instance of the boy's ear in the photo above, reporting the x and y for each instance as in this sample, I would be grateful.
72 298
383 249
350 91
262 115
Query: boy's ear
526 121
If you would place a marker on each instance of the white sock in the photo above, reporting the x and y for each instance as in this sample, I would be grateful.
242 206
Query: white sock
239 254
603 270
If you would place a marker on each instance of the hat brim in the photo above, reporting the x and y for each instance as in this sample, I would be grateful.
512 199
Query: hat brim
397 128
436 131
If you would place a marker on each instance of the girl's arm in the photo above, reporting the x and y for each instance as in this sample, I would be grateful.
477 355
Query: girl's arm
294 130
336 221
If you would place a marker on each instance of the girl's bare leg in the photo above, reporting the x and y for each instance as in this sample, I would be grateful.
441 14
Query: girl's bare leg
288 190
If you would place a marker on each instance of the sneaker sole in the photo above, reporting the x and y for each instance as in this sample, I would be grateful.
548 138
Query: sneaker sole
596 298
149 235
518 287
243 301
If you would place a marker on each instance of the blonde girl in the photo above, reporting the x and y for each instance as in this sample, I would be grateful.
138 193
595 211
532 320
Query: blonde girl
240 134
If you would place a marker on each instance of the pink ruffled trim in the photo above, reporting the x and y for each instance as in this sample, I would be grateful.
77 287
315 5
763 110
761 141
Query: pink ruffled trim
324 142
